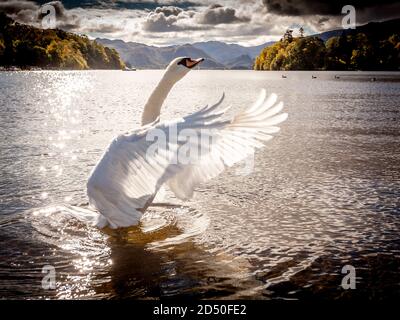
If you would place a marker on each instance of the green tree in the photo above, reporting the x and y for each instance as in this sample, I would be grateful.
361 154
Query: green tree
288 36
267 56
305 54
301 32
363 55
26 46
2 49
334 58
388 53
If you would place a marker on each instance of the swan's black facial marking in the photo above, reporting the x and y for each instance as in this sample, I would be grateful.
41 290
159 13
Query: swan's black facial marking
182 62
190 63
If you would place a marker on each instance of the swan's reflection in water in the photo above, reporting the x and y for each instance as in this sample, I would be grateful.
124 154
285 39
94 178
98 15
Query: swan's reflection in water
162 258
158 258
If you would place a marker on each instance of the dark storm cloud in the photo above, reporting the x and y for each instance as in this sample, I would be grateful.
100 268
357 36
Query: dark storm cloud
217 14
322 7
22 11
59 8
15 6
65 20
69 4
153 4
322 20
30 12
168 10
124 4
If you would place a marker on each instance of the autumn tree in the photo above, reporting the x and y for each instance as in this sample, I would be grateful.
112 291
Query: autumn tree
301 32
26 46
288 36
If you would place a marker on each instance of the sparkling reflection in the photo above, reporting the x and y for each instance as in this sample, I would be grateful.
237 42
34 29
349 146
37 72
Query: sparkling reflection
323 194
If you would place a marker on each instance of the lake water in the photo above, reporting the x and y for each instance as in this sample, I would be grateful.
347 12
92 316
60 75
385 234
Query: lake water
324 193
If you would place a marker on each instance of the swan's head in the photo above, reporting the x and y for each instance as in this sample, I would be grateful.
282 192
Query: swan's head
180 66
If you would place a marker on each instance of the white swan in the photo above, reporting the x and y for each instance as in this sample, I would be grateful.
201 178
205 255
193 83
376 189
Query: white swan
126 179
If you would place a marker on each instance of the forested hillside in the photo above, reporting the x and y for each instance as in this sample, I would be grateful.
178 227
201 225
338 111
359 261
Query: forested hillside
365 48
26 46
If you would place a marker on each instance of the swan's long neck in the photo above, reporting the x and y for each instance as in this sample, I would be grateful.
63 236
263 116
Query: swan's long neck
153 105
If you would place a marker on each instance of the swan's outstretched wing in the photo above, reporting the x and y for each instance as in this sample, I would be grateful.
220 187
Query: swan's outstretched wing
182 153
233 141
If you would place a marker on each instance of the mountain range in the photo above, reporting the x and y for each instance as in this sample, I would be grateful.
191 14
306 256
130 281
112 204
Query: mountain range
217 55
221 55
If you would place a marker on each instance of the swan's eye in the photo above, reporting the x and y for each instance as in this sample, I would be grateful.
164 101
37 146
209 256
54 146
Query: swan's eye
189 62
183 62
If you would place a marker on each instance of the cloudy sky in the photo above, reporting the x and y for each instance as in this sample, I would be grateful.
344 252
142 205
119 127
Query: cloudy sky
164 22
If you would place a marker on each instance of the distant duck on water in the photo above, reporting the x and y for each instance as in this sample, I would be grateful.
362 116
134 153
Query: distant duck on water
336 76
283 76
313 77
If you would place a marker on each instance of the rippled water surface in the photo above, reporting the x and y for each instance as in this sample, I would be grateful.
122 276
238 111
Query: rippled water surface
323 194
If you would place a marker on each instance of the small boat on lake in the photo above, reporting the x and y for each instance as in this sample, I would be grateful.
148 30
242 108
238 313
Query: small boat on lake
129 69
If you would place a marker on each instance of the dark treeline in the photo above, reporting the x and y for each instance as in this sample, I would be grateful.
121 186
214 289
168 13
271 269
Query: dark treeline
26 46
350 51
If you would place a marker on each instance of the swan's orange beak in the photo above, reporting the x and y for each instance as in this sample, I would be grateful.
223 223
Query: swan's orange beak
190 63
